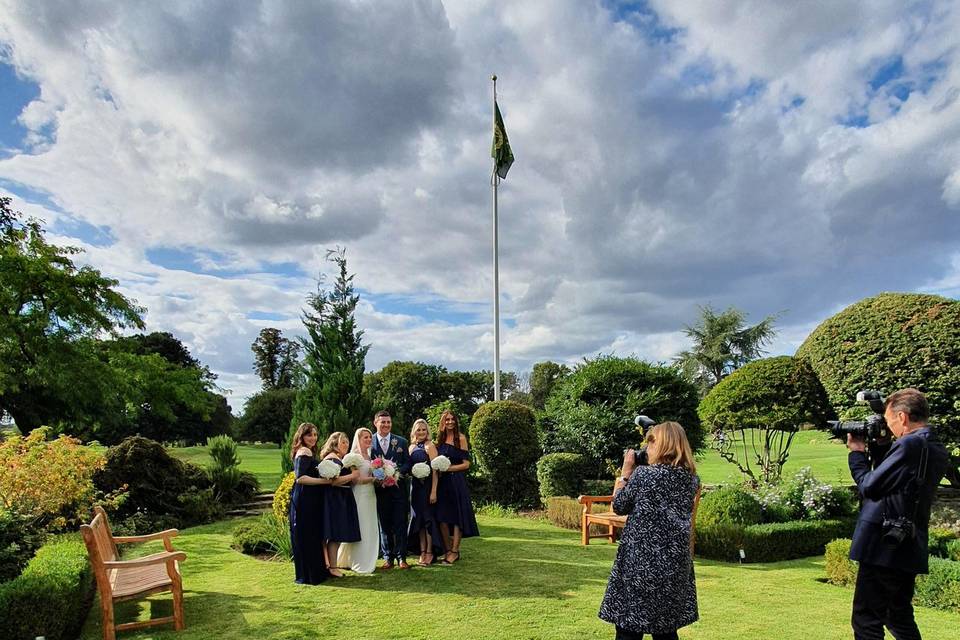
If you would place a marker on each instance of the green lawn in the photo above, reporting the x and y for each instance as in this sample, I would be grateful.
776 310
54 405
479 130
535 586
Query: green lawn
826 458
522 579
261 460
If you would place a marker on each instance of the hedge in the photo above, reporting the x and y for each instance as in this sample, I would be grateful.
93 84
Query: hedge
52 596
506 450
770 542
731 505
561 474
940 588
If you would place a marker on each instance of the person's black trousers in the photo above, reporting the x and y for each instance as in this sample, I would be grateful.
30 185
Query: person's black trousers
623 634
883 598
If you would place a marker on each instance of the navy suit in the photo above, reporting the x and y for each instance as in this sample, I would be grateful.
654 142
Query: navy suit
393 503
885 580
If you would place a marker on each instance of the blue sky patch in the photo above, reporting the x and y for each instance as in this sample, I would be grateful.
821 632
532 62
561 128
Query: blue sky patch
432 308
643 18
267 315
66 224
15 94
198 261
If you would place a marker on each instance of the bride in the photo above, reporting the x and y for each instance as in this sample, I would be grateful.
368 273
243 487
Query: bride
362 556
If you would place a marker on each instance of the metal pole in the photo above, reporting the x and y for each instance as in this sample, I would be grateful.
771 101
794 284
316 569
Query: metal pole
496 266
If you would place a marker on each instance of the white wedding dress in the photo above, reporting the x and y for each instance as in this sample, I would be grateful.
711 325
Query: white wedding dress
362 556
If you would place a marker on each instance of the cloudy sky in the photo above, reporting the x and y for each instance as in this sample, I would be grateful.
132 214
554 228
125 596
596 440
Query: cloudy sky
780 157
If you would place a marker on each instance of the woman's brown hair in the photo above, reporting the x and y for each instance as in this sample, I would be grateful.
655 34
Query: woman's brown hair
442 436
304 429
331 444
671 446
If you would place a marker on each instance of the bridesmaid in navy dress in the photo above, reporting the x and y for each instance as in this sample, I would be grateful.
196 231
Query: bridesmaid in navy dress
423 495
307 508
454 510
341 523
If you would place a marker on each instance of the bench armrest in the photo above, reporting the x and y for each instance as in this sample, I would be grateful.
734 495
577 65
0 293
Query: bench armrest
589 500
160 535
146 561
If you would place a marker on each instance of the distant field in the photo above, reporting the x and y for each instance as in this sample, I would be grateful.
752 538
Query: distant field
826 458
261 460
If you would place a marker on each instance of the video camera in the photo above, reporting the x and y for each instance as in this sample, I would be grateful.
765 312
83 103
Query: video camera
872 428
640 453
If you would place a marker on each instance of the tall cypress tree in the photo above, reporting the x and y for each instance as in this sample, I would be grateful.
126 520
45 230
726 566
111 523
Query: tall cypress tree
331 396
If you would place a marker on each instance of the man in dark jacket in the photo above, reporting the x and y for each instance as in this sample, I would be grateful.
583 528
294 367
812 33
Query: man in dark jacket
901 486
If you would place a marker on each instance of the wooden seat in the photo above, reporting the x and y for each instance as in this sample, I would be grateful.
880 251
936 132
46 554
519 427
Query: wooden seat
119 580
606 518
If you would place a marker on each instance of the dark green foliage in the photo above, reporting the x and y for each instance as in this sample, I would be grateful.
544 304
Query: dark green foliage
561 474
775 396
591 411
937 542
543 379
728 505
51 311
19 539
332 395
159 485
890 342
598 487
722 343
940 588
224 468
267 416
769 542
953 550
506 450
275 359
841 570
260 537
52 596
434 412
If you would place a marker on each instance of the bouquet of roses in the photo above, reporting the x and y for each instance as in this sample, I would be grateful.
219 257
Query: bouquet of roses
384 472
440 463
353 460
328 469
420 470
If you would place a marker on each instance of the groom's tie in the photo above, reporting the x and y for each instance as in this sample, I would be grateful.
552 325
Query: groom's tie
384 443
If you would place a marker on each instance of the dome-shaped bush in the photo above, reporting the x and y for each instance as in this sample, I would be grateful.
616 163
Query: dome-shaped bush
728 505
561 474
504 441
889 342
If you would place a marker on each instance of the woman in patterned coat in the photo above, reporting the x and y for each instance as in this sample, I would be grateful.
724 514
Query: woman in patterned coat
652 588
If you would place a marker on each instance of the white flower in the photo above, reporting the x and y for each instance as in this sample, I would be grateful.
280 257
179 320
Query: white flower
440 463
328 469
420 470
353 460
390 469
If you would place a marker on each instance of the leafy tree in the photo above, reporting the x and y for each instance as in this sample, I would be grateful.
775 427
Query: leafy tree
888 342
722 343
543 378
406 390
332 395
51 310
267 416
591 411
756 411
275 359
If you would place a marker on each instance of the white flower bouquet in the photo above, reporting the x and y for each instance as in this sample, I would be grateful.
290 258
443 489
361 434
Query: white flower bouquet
328 469
440 463
420 470
353 460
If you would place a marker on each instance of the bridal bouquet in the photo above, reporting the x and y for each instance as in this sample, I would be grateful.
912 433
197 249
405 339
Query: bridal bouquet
440 463
353 460
420 470
328 469
384 472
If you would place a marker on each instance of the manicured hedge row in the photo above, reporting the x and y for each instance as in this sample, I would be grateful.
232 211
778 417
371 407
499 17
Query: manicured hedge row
52 596
939 589
769 542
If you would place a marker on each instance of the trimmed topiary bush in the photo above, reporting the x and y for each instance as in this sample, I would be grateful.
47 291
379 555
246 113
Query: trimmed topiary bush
506 450
769 542
841 570
888 342
953 550
52 596
561 474
598 487
937 541
774 396
591 411
941 587
728 505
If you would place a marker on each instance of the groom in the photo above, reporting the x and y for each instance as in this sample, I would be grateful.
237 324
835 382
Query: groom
393 503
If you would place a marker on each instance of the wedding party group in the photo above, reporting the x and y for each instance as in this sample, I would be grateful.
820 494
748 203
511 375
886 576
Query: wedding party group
380 495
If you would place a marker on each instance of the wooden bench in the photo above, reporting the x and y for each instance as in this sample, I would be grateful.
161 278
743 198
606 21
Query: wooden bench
119 580
606 518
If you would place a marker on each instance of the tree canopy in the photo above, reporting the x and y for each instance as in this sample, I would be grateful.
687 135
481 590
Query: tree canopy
275 359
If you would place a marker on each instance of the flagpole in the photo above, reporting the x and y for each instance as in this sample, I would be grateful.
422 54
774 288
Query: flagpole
496 264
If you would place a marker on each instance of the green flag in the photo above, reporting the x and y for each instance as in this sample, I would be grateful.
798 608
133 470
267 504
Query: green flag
501 152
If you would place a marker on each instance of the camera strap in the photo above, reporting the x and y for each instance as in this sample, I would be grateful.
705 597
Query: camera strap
920 476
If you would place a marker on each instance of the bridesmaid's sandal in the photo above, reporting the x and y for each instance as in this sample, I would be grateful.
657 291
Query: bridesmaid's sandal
455 554
336 573
428 559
